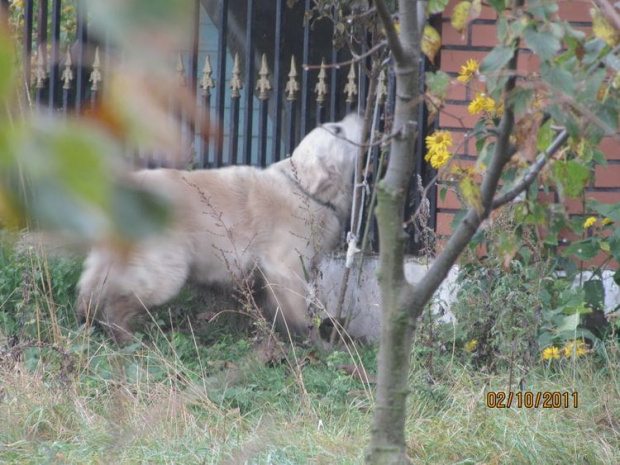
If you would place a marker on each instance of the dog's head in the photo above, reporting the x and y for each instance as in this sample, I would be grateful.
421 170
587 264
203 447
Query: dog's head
325 160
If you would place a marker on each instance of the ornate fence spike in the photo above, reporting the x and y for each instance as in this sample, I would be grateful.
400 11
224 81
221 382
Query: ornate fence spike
235 81
67 72
206 83
292 86
181 77
262 85
382 87
350 89
321 87
95 75
39 70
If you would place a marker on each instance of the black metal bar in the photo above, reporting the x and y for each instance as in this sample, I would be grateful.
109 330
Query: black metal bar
278 76
305 77
222 18
54 81
233 134
263 114
27 50
290 130
42 49
333 85
248 97
82 72
205 127
193 75
320 113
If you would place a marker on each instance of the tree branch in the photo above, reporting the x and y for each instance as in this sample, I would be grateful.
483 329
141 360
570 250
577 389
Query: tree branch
390 31
532 173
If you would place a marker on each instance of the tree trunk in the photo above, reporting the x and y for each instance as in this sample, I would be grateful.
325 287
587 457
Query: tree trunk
388 430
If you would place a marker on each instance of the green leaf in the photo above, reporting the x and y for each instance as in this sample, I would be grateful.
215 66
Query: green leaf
585 249
442 193
543 8
599 157
438 83
497 59
558 78
543 43
573 177
594 294
568 323
521 98
545 136
497 5
437 6
608 210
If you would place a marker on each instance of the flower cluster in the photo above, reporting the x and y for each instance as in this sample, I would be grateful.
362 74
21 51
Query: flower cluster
572 348
468 71
437 144
591 221
471 345
481 103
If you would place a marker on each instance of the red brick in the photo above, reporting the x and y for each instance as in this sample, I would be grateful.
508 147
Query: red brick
457 91
483 35
575 205
528 63
487 13
452 60
451 200
608 176
575 10
443 223
611 148
457 116
450 36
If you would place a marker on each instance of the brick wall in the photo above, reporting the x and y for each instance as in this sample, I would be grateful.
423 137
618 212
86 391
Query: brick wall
477 41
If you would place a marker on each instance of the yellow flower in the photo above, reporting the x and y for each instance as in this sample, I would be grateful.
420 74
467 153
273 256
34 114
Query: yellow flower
589 222
607 221
551 353
471 345
576 347
439 140
481 103
468 71
439 158
18 4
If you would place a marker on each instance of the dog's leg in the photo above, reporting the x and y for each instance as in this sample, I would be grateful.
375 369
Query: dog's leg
114 292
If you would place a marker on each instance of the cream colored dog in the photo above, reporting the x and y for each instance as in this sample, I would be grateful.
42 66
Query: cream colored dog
237 219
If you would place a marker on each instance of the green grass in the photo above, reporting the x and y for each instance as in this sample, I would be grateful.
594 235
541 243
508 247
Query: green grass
69 396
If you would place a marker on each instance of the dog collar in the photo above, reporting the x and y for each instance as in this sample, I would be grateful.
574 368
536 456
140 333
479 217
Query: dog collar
312 197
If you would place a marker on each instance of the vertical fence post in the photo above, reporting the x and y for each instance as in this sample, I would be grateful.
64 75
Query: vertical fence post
222 18
233 135
27 47
82 34
350 89
248 100
95 79
263 87
66 78
292 87
321 88
54 81
305 77
277 80
206 84
40 75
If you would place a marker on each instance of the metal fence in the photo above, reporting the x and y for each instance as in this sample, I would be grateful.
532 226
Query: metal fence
267 77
